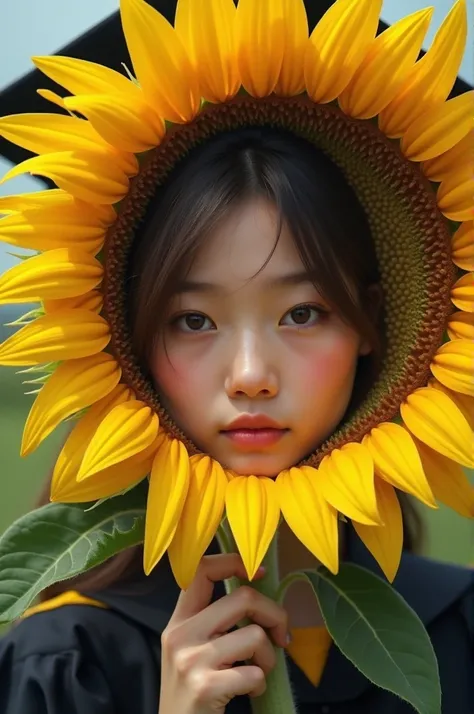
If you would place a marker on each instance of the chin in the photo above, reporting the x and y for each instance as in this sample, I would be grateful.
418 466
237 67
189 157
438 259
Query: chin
257 464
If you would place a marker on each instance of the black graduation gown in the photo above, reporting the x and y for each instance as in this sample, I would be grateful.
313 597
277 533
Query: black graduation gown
82 659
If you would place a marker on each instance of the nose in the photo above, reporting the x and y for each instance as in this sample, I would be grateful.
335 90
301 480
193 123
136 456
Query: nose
251 373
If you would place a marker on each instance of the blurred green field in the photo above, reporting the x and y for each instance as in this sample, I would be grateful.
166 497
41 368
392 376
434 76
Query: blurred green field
21 479
449 537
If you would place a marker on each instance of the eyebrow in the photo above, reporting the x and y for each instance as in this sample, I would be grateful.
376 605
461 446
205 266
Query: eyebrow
195 286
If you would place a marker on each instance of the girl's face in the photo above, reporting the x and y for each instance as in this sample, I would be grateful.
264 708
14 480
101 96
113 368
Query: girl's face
269 345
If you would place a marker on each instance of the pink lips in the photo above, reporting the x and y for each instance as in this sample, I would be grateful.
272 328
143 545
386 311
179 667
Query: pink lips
253 430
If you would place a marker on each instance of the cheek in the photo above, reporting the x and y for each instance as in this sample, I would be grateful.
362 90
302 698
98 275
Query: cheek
325 371
170 375
177 378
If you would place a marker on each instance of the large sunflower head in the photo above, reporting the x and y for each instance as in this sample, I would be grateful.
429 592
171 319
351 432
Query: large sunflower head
383 117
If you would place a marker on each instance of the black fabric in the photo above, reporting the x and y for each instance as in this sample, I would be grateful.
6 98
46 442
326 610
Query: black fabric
77 660
85 660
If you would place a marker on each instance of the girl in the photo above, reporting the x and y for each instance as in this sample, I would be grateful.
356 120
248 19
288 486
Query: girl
256 309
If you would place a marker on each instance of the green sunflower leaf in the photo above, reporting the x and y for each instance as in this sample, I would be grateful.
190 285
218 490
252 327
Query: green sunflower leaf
59 541
379 633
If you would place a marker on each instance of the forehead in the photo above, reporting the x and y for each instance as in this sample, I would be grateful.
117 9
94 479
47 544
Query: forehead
239 246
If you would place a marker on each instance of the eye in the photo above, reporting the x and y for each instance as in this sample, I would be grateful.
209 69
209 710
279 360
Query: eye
305 315
192 322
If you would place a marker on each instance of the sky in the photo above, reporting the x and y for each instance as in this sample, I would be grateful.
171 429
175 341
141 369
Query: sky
40 27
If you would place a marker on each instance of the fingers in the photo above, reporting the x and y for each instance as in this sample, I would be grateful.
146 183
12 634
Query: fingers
224 614
247 643
221 687
212 569
198 651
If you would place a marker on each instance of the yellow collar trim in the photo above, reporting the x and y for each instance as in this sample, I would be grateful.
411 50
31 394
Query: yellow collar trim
70 597
309 649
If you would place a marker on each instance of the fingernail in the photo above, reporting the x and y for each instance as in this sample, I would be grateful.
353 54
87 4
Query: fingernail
261 570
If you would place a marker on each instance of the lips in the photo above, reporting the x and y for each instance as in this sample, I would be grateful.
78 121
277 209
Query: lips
252 422
254 430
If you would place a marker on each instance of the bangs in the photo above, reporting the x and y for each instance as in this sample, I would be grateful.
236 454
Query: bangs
326 220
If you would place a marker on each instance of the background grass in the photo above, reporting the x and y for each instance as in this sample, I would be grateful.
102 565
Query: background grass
21 479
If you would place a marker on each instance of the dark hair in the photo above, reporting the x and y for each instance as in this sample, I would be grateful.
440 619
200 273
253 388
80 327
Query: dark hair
330 230
327 221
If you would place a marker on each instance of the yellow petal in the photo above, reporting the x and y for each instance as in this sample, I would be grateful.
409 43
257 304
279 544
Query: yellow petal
280 32
442 166
37 199
432 78
69 460
160 61
311 518
385 542
74 385
291 79
93 178
447 479
454 195
462 246
52 97
253 512
337 46
462 293
126 430
260 33
55 274
66 335
80 76
206 28
200 518
169 485
347 483
462 401
127 126
461 326
106 483
55 227
435 420
92 301
453 365
384 68
46 133
439 128
397 462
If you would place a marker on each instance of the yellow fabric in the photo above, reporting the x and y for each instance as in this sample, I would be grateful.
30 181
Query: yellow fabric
70 597
309 649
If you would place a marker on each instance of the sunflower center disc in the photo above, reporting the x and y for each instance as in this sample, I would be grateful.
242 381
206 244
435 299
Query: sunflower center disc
411 239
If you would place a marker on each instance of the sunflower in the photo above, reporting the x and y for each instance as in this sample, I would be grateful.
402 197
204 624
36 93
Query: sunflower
384 117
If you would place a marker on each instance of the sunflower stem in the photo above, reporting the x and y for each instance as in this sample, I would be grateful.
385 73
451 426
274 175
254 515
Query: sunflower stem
278 697
288 580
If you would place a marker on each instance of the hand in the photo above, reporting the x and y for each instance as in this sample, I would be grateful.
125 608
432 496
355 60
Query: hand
198 651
